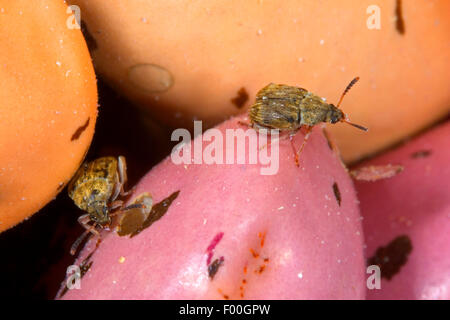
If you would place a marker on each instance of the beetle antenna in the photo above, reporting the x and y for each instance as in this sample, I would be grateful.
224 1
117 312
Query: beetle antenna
349 86
356 125
346 90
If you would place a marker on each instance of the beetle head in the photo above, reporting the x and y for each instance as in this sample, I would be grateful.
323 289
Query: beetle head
100 213
335 114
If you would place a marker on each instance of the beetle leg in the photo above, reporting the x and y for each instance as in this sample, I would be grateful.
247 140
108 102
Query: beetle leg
129 207
117 189
122 168
123 193
89 229
291 139
77 242
307 134
83 220
116 204
134 206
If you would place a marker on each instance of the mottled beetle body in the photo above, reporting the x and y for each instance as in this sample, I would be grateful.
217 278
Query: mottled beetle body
284 107
288 108
95 189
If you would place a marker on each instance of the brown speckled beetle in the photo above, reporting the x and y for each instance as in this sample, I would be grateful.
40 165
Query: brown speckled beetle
95 189
288 108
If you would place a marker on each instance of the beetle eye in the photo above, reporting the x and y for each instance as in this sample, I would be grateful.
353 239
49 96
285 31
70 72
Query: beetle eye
333 118
335 114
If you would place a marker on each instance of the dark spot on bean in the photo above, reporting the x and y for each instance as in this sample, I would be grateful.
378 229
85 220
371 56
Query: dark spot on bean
225 296
64 291
391 258
399 23
254 253
421 154
80 130
241 98
261 269
214 267
135 214
86 265
158 211
212 245
263 238
337 193
90 41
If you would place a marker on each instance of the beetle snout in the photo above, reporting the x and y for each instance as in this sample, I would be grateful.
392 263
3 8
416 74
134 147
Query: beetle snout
334 119
335 115
105 219
100 214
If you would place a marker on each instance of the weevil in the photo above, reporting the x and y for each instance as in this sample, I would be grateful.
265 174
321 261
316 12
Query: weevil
289 108
95 189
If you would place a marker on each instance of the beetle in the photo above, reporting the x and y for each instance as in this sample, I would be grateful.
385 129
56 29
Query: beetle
95 188
289 108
